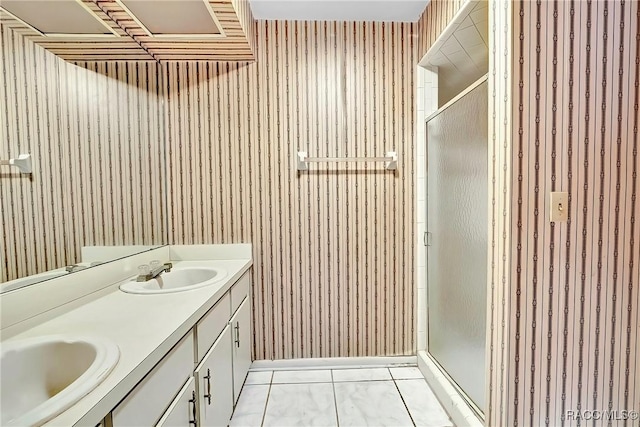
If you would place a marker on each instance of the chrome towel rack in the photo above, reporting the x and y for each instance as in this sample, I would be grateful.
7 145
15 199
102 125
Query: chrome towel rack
22 162
390 159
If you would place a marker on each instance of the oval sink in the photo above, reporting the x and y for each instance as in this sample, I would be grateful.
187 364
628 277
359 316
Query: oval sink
41 377
177 280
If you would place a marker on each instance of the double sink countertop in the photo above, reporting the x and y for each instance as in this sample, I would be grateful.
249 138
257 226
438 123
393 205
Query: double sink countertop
144 327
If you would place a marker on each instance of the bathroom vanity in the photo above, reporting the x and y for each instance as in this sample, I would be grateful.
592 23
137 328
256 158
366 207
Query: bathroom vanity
184 355
200 378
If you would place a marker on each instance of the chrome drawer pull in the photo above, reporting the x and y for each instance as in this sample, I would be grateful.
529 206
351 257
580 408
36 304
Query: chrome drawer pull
208 395
193 400
237 328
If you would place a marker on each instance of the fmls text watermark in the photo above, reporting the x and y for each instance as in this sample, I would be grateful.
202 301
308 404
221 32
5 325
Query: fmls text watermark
604 415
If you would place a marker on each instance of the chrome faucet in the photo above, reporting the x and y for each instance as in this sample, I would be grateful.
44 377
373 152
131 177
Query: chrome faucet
154 272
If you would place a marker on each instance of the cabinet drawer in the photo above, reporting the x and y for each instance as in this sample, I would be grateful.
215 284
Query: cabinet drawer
239 291
211 325
182 411
152 396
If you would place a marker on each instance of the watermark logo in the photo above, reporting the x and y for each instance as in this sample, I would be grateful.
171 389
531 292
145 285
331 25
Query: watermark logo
601 415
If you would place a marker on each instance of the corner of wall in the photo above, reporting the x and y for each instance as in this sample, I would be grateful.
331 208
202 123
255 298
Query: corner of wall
499 210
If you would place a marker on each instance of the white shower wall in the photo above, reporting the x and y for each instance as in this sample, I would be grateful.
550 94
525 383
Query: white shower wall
427 104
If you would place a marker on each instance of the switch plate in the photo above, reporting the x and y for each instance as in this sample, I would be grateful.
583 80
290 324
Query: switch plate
559 206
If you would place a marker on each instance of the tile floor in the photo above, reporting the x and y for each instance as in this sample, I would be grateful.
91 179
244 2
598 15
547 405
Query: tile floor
339 397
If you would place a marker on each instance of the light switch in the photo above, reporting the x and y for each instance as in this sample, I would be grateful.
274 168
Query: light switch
559 206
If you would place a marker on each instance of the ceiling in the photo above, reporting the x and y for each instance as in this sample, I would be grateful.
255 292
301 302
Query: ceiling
339 10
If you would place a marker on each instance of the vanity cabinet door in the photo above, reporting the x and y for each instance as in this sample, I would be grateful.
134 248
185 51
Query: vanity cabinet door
214 383
182 411
241 324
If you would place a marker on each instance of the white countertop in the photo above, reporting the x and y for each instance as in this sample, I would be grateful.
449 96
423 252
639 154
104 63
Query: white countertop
145 328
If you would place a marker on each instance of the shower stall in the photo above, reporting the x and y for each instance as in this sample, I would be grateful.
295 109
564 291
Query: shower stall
457 194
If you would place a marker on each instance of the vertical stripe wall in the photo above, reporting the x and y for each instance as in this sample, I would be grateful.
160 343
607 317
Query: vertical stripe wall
574 313
333 247
433 21
564 298
94 132
499 162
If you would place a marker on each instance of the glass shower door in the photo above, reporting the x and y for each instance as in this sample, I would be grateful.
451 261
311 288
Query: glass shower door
457 177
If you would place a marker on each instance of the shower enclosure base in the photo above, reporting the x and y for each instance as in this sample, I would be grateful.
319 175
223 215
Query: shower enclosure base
447 393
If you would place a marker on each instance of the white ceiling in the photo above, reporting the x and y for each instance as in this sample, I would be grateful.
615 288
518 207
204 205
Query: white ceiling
339 10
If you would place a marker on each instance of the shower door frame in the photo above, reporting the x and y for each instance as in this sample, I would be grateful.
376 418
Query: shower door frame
426 241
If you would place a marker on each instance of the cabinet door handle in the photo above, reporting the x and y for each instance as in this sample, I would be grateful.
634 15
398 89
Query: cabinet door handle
193 411
237 328
208 395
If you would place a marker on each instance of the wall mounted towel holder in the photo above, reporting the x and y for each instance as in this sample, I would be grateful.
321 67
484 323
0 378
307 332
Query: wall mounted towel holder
391 160
22 162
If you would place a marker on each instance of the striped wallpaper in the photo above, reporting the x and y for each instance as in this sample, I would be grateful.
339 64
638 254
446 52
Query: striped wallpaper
435 18
333 247
500 156
565 317
94 132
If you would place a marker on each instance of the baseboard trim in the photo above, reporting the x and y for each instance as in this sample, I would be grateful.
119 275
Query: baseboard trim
461 413
333 363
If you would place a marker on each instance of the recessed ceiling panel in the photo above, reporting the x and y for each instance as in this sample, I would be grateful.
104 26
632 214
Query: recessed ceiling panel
339 10
56 16
173 17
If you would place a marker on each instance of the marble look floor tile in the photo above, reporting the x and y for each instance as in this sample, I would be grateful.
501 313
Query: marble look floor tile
259 377
423 405
369 374
295 377
251 405
301 405
370 403
406 373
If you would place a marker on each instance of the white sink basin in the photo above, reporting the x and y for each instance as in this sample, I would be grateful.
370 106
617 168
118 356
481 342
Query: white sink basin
41 377
177 280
